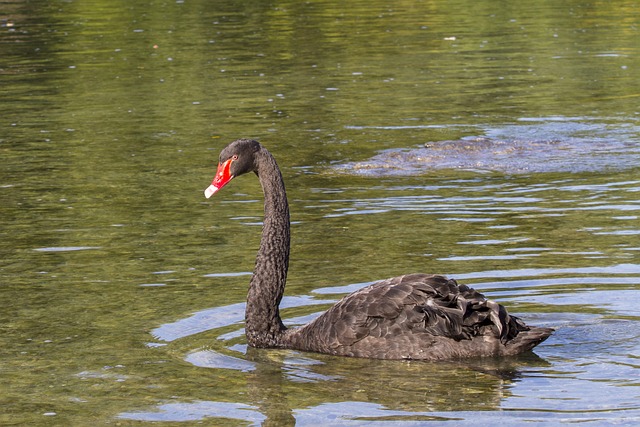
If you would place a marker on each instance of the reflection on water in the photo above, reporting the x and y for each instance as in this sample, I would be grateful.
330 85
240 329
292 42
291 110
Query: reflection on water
196 411
275 375
562 145
592 353
220 317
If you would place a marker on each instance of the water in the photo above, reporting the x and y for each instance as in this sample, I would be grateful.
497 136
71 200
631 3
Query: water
537 145
497 145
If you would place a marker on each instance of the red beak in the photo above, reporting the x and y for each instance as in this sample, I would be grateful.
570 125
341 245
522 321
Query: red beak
222 178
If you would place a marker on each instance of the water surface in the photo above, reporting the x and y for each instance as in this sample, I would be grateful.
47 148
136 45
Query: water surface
497 144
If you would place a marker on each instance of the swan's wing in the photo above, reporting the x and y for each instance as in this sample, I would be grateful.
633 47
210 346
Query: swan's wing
416 304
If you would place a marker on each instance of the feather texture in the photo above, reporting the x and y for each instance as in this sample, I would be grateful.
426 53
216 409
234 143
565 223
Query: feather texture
416 316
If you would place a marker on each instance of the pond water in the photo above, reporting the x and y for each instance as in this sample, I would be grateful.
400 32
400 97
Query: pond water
498 144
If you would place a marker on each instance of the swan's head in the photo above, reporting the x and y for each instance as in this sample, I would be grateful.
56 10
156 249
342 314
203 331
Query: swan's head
236 159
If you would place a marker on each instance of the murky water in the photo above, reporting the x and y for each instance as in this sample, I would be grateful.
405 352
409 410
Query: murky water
496 144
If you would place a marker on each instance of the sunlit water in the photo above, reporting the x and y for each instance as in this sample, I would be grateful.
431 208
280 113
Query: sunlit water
587 371
550 144
498 145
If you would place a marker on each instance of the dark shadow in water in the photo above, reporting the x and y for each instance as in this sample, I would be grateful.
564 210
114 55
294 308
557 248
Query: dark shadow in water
285 387
409 390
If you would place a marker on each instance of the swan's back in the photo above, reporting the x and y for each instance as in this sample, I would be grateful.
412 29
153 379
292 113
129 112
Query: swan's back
416 316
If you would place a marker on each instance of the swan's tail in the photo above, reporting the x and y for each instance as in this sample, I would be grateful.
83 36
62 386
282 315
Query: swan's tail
526 340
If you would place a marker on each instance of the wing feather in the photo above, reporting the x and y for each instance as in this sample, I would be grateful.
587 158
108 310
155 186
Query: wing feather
412 308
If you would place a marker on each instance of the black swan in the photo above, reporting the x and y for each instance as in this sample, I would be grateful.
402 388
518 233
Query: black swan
416 316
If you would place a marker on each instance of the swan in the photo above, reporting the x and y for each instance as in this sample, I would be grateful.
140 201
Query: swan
414 316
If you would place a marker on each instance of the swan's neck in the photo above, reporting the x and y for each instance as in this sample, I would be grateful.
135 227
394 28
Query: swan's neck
263 326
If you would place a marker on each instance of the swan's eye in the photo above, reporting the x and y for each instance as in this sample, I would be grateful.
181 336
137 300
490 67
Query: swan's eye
234 157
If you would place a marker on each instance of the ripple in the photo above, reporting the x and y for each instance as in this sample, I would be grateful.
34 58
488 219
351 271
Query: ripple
67 248
532 146
213 359
219 317
196 411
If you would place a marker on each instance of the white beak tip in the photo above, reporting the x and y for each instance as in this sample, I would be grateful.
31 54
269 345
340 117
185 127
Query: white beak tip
209 191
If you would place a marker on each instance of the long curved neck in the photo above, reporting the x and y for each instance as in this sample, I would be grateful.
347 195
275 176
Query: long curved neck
263 325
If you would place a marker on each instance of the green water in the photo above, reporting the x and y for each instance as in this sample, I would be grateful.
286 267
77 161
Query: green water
122 287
